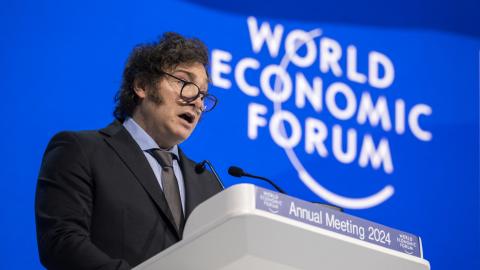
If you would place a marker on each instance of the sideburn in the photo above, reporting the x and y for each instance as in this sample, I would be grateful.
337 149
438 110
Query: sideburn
154 96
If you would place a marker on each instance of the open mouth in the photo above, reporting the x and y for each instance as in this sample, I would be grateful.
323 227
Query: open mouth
187 117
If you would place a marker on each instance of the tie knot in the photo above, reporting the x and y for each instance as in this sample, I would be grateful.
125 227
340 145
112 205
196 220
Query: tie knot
165 158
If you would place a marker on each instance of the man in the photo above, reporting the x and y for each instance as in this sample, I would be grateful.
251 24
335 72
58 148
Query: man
112 198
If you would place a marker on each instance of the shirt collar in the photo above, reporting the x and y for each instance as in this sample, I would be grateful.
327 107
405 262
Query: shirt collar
141 137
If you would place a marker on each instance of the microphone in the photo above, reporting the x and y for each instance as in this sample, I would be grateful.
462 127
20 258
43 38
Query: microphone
200 168
238 172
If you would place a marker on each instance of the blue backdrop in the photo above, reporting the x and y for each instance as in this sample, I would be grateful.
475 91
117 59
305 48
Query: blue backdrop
371 106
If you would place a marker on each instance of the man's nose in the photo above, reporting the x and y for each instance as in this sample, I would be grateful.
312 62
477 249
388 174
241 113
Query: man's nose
198 103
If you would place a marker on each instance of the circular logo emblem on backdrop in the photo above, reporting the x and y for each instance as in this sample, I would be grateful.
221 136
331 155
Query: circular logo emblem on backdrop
314 185
345 94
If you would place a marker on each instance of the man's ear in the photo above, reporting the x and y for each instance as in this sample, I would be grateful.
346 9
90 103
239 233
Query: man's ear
140 88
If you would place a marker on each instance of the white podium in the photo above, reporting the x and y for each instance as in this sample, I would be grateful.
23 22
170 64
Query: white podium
250 228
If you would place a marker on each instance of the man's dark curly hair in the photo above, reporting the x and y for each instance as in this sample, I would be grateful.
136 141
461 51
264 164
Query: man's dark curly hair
146 63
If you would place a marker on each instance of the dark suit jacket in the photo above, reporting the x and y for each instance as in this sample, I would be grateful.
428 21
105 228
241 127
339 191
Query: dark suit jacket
99 206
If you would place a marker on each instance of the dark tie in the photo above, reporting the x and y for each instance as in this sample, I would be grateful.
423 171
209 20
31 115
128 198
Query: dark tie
170 184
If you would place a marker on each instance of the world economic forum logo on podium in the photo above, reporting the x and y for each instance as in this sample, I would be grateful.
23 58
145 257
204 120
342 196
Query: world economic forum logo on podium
336 77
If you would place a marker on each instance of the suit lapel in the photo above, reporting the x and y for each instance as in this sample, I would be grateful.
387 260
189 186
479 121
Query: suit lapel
134 158
198 186
190 178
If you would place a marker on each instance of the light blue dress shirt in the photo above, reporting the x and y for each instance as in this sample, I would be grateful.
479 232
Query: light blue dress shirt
146 143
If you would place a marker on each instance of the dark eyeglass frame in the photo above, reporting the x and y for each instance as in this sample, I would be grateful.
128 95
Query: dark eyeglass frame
204 94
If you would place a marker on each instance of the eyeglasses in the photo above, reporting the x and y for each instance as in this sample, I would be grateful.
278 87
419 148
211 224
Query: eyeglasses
189 92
